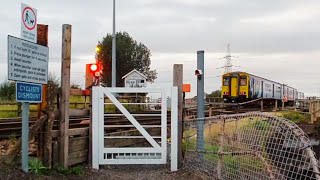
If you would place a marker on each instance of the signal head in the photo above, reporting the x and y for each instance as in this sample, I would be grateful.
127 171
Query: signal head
93 67
198 72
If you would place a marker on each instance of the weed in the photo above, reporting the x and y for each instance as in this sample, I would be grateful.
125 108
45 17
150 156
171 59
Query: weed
75 170
62 170
36 166
296 117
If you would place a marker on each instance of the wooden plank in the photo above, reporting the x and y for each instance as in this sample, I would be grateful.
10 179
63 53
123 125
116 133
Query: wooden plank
79 132
79 112
77 141
65 94
77 160
72 132
78 154
55 153
178 81
79 147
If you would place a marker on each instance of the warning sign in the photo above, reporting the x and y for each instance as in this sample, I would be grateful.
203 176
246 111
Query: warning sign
28 23
27 61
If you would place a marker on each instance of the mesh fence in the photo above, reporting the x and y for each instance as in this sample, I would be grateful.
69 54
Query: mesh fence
250 146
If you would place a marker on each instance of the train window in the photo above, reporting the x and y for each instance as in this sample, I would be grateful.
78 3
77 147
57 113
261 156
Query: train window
243 81
226 81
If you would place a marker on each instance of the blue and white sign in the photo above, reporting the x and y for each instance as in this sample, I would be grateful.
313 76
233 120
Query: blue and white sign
27 92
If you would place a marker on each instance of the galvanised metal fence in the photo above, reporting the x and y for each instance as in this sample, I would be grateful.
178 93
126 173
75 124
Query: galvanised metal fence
250 146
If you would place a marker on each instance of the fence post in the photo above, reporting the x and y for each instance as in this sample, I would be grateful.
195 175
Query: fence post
220 151
42 34
65 93
174 129
210 110
200 101
178 81
261 105
52 92
19 109
276 105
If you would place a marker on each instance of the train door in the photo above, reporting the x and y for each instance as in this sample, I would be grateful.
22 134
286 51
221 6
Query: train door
234 86
273 90
262 90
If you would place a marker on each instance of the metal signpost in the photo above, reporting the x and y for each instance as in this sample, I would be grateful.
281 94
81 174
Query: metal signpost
200 102
27 62
27 93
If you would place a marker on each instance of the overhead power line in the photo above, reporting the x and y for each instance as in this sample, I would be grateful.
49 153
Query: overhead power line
228 63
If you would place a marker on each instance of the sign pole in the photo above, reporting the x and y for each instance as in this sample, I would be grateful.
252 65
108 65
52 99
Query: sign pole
25 136
21 52
200 103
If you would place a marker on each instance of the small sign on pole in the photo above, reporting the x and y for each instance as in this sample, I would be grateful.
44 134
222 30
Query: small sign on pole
28 23
27 92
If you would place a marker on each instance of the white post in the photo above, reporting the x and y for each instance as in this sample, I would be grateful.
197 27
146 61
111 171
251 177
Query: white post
114 61
174 129
95 127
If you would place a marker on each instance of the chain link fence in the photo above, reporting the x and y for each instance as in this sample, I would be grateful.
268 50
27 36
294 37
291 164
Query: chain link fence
250 146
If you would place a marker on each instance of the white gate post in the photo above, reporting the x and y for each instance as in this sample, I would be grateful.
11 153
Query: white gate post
95 127
174 129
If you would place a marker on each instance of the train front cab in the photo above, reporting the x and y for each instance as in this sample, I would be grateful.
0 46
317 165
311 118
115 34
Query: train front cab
235 87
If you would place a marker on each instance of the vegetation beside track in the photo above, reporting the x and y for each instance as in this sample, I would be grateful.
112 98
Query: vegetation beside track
295 116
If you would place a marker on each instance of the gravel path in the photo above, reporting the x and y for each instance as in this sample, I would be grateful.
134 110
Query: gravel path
120 172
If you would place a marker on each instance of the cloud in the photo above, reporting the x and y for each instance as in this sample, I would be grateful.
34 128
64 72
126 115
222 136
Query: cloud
275 39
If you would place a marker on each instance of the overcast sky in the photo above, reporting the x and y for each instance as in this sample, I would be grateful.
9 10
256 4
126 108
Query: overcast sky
275 39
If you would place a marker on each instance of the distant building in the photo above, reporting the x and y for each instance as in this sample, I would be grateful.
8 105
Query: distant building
135 79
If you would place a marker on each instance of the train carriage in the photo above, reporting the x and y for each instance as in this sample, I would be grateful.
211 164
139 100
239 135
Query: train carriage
242 87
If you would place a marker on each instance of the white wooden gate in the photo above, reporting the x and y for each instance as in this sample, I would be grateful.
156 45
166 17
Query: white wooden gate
156 153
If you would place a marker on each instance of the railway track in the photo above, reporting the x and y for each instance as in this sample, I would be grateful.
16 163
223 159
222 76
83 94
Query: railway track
13 126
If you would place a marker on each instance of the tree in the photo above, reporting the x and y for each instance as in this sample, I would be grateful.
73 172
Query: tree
216 93
7 91
75 86
55 80
129 55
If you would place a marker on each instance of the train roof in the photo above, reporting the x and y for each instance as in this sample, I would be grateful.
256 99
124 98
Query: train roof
258 77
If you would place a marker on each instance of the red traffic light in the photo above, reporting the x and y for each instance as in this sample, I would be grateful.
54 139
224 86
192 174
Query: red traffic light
93 67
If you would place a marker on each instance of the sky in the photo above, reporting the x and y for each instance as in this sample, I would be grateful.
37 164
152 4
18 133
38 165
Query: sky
275 39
